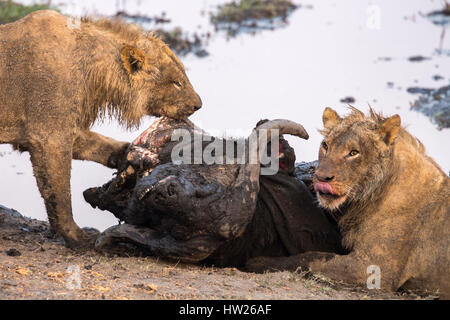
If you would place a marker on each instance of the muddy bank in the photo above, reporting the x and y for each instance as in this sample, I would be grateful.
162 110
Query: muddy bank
35 265
434 103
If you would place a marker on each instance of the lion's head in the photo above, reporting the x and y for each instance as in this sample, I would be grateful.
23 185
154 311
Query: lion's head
154 69
354 157
131 73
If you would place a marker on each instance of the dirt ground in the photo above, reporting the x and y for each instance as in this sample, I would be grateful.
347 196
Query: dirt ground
36 265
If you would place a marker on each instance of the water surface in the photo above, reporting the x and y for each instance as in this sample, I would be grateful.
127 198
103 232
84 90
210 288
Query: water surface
329 52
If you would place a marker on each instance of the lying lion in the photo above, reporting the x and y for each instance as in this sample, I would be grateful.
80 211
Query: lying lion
392 205
57 78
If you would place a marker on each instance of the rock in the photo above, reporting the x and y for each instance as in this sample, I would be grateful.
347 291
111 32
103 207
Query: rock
13 252
201 53
418 58
348 100
419 90
437 77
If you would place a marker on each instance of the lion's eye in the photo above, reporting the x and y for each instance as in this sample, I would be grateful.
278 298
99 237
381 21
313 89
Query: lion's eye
353 153
324 146
177 84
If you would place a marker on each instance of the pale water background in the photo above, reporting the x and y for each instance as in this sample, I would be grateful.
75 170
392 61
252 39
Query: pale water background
325 53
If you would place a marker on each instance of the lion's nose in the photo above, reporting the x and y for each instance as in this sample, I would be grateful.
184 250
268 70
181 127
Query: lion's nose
324 177
198 103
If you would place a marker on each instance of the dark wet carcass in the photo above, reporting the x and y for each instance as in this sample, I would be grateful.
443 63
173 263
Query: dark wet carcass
217 213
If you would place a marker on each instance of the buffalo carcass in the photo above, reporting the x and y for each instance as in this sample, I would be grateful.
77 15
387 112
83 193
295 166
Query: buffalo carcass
222 214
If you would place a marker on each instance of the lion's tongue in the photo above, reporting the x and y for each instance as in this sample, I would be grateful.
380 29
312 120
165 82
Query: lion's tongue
323 187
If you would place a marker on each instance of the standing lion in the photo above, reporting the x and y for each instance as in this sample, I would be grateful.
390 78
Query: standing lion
391 202
57 78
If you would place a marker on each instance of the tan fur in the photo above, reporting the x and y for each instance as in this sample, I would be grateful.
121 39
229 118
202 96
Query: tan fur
56 80
393 201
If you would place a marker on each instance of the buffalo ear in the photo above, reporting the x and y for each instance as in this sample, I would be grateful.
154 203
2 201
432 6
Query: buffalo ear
389 129
133 59
330 118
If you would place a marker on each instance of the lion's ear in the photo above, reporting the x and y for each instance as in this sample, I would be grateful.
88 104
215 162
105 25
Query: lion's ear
133 59
389 129
330 118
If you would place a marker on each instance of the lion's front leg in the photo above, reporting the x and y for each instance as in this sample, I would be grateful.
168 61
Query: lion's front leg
51 167
351 268
95 147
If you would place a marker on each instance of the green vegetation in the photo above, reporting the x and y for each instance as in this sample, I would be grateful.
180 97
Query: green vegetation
11 11
244 10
